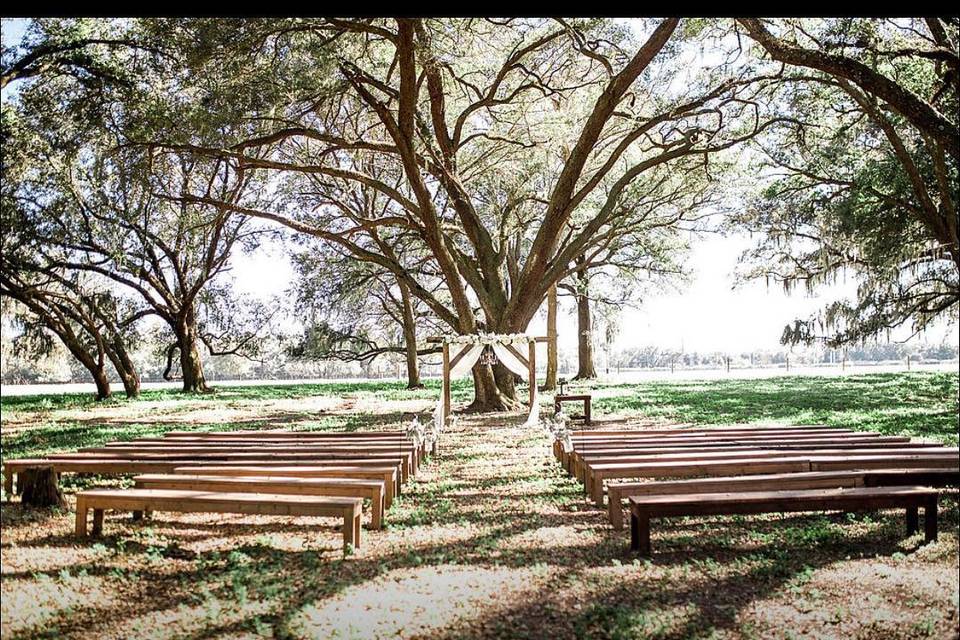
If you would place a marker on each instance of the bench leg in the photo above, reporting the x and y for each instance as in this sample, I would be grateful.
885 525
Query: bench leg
598 491
348 530
356 530
97 522
81 528
640 534
376 511
615 509
391 488
930 521
913 520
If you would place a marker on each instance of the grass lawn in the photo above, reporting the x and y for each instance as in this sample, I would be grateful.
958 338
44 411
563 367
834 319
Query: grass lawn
491 540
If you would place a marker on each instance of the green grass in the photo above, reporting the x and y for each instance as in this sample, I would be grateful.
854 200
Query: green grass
224 394
54 432
912 404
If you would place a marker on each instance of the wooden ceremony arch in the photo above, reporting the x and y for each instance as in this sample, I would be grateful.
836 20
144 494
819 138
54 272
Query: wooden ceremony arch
467 343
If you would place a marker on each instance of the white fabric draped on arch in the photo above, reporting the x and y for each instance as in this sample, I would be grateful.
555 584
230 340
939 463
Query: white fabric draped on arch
474 348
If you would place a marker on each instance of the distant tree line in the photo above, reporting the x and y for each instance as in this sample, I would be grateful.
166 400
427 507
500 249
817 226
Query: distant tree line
658 358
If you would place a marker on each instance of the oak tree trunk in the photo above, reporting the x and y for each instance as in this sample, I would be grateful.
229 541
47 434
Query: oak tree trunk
410 339
96 366
585 368
191 365
103 383
493 389
124 366
551 378
40 487
131 383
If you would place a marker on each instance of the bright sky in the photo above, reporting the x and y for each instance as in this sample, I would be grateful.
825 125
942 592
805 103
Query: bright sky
708 315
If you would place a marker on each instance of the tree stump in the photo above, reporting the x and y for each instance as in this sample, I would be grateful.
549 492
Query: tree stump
40 487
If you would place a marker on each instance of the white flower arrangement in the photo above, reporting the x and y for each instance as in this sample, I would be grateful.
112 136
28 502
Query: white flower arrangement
488 338
559 428
415 431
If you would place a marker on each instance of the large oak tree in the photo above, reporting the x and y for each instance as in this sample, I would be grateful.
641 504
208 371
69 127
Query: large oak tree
506 148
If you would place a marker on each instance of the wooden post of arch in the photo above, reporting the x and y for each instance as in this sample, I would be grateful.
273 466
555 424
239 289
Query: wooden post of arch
532 370
446 381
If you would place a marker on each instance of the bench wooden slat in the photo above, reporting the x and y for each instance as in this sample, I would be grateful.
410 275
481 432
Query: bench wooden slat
280 433
737 442
408 455
616 492
789 498
688 427
725 435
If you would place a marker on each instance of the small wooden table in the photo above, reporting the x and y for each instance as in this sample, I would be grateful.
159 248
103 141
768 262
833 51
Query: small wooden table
584 398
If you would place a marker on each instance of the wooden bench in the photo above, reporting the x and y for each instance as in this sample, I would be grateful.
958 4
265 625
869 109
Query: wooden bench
758 441
404 462
372 490
118 466
582 462
618 491
644 508
273 448
595 475
579 448
99 500
585 398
